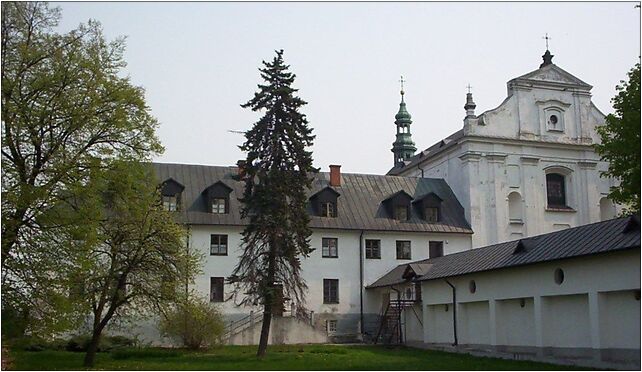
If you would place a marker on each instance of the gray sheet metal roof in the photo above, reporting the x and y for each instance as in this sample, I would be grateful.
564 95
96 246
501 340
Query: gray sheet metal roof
431 151
595 238
359 204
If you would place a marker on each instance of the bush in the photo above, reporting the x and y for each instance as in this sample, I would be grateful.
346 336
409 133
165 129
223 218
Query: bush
195 324
32 343
78 343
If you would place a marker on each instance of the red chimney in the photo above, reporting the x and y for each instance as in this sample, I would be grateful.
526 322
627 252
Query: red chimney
241 168
335 175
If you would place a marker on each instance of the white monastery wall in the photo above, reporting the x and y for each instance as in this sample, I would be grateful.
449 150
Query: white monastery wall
345 268
597 306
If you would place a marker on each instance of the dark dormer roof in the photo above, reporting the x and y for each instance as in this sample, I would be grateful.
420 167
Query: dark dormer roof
400 193
219 185
361 197
428 197
591 239
171 187
324 190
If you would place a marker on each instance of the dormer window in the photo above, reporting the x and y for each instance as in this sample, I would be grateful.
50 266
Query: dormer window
328 209
429 206
432 214
401 213
325 203
219 205
398 206
171 195
170 203
217 198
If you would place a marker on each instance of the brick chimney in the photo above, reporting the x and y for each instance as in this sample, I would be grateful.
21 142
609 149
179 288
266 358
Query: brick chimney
335 175
241 168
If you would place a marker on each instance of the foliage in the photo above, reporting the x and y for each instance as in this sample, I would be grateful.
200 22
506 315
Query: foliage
621 143
80 343
281 358
278 172
129 257
195 323
64 105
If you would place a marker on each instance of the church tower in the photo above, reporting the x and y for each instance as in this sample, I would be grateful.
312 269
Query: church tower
403 148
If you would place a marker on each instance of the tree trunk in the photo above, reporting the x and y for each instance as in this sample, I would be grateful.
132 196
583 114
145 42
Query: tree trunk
92 348
265 329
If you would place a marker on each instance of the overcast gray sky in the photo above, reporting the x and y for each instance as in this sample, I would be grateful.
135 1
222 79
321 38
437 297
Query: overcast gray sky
198 62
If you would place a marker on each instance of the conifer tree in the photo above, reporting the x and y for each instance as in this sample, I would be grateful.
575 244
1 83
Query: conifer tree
278 171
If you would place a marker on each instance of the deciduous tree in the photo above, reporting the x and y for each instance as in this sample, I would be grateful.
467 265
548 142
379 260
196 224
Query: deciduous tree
621 143
278 172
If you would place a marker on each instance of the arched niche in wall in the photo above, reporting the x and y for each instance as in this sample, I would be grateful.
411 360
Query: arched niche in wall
515 208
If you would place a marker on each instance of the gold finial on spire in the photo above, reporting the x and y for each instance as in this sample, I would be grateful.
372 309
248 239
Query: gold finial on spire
469 87
402 81
547 38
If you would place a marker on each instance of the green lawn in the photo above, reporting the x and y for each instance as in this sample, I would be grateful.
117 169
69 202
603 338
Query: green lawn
282 357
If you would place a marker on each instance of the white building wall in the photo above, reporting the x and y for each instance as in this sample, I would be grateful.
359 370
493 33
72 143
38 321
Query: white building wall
597 306
514 139
316 268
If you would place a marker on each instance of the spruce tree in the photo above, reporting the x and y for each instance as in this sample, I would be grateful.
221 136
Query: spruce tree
278 171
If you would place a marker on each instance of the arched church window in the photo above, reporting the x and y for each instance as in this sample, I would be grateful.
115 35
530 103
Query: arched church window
555 190
607 209
515 209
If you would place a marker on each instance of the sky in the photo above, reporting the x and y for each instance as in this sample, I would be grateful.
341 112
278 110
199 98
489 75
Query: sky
198 62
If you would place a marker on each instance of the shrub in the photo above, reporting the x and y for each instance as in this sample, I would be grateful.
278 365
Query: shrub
78 343
195 324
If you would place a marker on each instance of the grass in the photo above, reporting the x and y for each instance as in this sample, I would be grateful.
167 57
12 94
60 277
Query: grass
281 357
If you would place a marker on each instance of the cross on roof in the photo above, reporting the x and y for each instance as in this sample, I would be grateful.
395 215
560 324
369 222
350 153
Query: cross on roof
402 81
469 87
547 39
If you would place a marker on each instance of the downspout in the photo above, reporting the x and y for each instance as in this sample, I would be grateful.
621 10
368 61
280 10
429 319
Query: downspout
454 311
398 312
422 171
361 283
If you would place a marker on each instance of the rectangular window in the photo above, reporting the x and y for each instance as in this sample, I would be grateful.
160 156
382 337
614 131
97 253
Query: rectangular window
373 248
432 214
218 245
329 247
330 291
401 213
555 193
218 205
403 250
331 326
170 203
435 249
216 289
328 209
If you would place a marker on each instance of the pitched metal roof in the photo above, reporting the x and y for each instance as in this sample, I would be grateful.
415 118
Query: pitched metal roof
431 151
359 202
600 237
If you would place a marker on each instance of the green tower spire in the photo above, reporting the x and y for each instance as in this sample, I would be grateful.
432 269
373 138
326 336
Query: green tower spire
403 147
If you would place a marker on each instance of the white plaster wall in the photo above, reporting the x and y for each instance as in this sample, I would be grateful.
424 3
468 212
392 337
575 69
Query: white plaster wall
316 268
567 321
621 320
515 324
476 167
475 323
564 307
438 320
413 323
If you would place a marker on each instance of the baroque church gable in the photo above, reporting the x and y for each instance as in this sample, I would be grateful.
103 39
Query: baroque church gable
555 74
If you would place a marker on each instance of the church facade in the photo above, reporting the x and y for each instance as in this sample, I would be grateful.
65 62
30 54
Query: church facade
526 167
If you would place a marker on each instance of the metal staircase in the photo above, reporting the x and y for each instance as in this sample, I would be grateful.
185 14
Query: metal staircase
390 327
